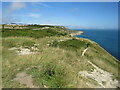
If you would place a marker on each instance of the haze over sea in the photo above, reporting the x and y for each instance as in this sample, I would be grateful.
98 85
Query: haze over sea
108 39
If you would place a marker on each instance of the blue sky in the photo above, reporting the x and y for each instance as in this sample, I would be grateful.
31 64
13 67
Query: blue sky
88 15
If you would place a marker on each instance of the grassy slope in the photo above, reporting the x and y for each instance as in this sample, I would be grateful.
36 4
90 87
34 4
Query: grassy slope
32 33
58 66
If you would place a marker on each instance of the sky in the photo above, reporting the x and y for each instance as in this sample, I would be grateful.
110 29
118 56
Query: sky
78 15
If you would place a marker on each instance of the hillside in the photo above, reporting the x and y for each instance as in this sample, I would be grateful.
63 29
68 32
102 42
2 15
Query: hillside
52 57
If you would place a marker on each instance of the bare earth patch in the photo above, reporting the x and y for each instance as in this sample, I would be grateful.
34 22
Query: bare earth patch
24 78
103 78
24 51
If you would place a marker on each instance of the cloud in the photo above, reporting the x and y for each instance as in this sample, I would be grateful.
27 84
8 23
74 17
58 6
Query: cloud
35 15
40 4
8 16
74 9
9 19
16 6
43 4
31 0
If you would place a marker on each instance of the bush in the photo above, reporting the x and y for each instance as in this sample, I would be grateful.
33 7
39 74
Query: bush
72 44
31 33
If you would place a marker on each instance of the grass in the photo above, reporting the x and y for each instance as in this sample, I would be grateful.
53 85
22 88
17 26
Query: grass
102 59
67 67
103 82
57 65
72 44
9 42
52 75
31 33
90 80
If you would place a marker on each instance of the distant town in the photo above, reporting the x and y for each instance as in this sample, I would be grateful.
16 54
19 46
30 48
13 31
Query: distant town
28 26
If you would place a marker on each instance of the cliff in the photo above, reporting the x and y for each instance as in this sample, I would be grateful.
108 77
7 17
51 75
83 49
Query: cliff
54 58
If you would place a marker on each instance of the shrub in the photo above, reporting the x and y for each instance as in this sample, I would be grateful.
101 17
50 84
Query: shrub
31 33
72 44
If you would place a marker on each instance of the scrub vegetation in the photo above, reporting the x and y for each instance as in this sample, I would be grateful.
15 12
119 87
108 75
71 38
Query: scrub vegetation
57 62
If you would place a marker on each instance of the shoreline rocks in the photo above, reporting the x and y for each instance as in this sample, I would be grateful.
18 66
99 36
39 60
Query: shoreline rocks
77 33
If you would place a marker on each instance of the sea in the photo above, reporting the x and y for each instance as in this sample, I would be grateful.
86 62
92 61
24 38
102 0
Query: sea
107 39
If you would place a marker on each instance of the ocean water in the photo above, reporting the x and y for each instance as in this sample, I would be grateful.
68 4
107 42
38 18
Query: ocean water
108 39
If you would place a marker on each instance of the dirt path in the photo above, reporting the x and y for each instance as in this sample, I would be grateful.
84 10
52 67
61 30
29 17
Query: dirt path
24 78
64 39
103 78
83 53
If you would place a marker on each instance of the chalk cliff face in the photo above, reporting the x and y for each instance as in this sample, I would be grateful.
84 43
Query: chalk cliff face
54 58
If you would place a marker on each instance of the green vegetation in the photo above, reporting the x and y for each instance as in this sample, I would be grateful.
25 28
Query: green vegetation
58 61
9 43
73 44
52 75
31 33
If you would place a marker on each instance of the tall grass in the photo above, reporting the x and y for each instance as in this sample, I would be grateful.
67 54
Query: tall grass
55 66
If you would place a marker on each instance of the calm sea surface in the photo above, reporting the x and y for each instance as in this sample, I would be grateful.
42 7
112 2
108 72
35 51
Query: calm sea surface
108 39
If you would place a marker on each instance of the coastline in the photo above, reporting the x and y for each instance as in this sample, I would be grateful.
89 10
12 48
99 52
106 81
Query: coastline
101 37
81 56
77 33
